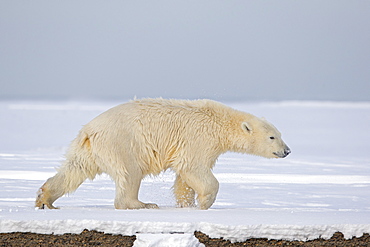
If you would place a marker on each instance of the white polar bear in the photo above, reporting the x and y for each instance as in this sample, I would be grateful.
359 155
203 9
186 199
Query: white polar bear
148 136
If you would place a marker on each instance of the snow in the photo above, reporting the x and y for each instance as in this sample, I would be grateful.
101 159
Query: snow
167 240
321 188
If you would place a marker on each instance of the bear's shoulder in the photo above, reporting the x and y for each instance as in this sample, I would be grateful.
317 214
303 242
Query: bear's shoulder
202 108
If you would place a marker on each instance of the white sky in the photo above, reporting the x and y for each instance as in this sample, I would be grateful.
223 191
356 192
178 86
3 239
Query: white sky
224 50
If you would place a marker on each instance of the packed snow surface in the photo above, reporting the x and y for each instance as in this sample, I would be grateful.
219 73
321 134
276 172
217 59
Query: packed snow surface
321 188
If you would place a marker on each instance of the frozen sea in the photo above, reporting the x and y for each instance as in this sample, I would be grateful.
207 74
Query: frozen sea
321 188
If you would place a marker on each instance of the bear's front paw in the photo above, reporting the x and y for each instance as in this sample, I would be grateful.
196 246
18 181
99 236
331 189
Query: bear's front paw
186 204
205 202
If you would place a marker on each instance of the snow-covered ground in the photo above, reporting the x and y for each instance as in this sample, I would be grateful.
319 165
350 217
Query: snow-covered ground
321 188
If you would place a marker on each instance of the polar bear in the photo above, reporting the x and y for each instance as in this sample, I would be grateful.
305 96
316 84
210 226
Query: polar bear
148 136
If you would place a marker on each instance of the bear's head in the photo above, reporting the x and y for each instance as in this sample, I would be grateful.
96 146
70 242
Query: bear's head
259 137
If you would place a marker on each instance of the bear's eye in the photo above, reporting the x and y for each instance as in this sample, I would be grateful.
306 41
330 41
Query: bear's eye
272 137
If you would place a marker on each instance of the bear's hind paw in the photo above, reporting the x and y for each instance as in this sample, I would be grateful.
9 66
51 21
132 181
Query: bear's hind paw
151 206
135 204
40 203
42 206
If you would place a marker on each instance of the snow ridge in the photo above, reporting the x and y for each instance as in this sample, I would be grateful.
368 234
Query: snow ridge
233 233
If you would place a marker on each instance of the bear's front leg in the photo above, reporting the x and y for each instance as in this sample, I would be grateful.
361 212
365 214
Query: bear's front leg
204 183
185 196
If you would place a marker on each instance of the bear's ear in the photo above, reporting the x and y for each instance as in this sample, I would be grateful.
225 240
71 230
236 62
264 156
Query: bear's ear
247 127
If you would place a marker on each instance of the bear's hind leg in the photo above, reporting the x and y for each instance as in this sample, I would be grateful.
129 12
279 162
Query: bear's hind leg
127 191
185 196
69 177
50 192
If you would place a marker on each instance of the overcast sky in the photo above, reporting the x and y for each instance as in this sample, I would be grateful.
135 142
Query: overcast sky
224 50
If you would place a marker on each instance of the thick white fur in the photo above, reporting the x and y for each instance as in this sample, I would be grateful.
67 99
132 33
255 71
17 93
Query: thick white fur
148 136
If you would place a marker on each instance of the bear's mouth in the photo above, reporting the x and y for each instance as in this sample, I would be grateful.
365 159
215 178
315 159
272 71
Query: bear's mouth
282 154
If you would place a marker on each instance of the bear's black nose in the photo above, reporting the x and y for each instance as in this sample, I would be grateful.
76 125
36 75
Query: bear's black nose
287 151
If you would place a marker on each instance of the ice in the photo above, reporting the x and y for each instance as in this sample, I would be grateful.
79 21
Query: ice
321 188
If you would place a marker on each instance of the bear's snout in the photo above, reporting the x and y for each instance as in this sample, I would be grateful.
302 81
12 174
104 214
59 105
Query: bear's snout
284 153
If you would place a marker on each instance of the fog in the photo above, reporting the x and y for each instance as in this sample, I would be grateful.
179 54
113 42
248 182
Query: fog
223 50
